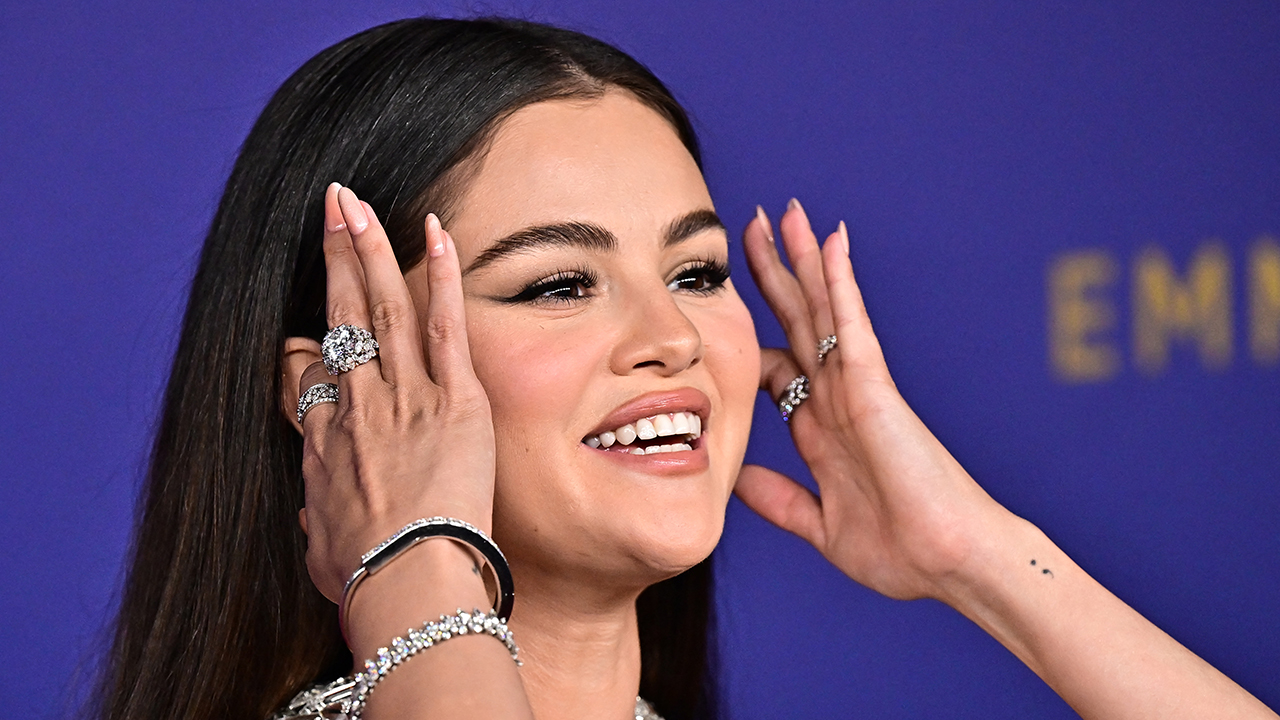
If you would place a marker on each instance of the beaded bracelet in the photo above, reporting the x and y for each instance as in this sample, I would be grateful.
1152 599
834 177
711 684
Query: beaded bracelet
418 639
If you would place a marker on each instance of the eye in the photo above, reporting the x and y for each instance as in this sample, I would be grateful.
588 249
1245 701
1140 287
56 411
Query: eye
703 277
565 286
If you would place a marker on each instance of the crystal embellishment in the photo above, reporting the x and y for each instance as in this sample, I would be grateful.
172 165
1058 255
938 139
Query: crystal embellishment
347 347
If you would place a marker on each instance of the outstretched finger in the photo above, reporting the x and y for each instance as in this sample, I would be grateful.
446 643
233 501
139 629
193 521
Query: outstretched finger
391 315
779 287
782 501
345 294
860 353
806 259
447 350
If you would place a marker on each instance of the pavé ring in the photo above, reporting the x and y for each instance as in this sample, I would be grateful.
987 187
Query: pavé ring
825 346
315 395
797 392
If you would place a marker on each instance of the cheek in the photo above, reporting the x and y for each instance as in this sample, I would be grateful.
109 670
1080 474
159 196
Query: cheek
733 358
532 379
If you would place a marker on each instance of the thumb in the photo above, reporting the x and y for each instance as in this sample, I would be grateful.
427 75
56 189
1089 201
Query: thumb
783 502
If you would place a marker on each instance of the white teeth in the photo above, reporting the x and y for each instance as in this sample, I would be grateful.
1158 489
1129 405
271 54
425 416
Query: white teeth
663 426
683 425
645 430
652 449
638 451
626 434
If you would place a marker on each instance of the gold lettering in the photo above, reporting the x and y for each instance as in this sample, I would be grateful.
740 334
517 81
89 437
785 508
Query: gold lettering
1264 301
1167 308
1078 315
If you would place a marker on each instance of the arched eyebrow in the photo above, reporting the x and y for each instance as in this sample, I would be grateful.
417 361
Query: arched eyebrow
587 236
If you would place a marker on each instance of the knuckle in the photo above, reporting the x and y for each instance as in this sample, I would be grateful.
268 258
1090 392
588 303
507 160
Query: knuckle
442 328
388 316
343 311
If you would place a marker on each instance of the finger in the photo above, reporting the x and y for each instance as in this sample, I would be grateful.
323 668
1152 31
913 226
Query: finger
806 259
345 296
391 315
318 415
779 287
782 501
446 320
860 353
777 369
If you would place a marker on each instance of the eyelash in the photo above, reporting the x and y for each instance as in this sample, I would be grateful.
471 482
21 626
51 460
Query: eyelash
550 289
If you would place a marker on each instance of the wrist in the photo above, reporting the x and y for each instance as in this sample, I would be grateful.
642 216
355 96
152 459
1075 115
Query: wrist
434 578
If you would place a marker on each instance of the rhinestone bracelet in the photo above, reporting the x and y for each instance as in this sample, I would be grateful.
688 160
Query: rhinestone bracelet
419 639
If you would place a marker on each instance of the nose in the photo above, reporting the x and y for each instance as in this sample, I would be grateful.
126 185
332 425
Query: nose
656 335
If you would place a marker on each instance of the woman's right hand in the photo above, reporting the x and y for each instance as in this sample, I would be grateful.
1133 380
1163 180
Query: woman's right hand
411 435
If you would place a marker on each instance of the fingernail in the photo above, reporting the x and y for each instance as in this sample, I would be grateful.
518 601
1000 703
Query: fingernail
353 210
844 235
333 220
368 209
764 223
435 236
794 204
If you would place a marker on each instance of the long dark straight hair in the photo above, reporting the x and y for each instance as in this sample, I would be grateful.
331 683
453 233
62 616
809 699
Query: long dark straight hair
219 618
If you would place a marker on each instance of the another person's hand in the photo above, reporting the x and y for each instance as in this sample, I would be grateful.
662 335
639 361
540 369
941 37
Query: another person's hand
411 435
895 511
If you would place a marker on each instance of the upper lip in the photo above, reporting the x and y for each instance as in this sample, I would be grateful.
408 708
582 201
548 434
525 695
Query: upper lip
656 403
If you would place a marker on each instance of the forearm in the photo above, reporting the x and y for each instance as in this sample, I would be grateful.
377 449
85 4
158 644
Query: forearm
1100 655
469 676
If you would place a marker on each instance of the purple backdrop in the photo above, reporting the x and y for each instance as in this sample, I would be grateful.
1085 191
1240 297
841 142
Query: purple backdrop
1042 200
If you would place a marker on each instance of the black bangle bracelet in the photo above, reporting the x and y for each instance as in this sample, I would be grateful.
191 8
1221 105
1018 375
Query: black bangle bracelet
425 529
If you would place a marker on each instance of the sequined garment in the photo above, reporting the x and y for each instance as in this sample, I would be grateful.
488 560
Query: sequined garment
330 702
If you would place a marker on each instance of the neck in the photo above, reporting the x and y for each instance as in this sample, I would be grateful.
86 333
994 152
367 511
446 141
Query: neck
581 650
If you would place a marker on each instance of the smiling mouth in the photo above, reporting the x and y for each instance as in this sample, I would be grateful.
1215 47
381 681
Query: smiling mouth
661 433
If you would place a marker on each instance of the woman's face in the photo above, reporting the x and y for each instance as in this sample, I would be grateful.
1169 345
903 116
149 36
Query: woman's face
593 268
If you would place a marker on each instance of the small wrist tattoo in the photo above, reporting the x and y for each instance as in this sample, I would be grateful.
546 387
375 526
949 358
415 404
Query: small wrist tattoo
1043 571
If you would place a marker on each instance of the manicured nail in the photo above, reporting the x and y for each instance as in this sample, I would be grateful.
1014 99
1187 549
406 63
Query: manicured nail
333 220
435 236
353 210
764 223
844 236
794 204
368 209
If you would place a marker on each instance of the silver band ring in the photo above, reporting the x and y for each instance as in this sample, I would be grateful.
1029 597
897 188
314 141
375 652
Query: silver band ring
797 392
825 346
347 347
315 395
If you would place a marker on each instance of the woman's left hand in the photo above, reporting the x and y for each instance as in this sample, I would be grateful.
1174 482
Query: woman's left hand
895 512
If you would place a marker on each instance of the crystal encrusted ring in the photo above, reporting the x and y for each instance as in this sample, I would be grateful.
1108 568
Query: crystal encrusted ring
347 347
797 392
316 394
825 346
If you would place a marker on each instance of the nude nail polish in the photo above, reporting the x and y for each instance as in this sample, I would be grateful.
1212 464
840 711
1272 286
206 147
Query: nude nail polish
764 223
435 236
844 237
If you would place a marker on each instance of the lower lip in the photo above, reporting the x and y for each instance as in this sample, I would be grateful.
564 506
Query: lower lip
663 463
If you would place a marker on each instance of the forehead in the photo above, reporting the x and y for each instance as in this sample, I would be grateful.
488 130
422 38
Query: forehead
611 160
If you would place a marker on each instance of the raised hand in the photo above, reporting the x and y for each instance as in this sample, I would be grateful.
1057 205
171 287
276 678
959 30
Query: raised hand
411 434
896 512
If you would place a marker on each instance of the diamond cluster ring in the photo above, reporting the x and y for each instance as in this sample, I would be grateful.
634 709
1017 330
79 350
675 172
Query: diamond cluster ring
347 347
